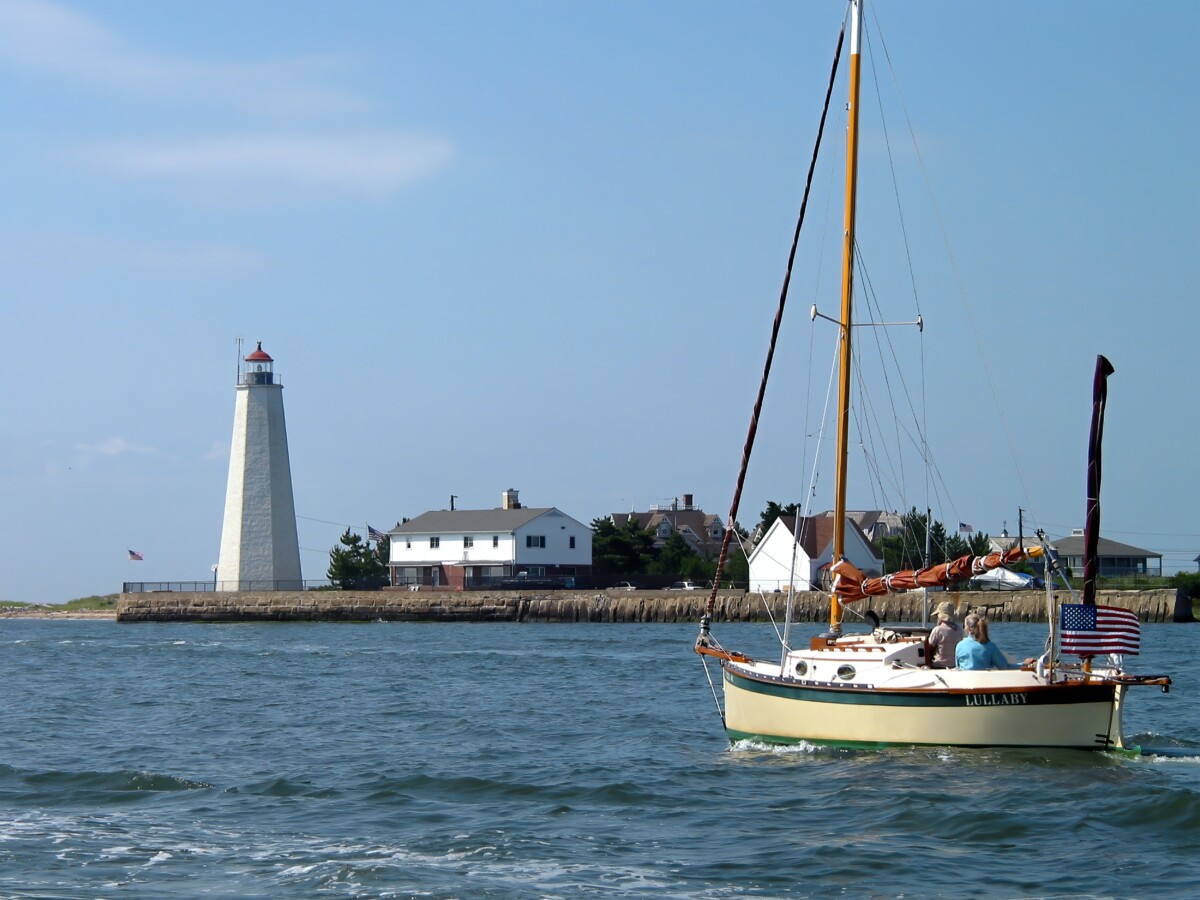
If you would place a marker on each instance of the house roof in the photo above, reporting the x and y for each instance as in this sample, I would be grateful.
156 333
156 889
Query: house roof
458 521
697 520
1074 546
816 532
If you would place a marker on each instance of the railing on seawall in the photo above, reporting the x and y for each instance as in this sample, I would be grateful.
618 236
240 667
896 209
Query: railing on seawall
210 586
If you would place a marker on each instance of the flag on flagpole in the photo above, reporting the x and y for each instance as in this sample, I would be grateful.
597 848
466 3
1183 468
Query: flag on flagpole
963 526
374 534
133 554
1089 630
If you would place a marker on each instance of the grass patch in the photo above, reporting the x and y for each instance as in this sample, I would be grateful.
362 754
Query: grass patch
96 601
107 601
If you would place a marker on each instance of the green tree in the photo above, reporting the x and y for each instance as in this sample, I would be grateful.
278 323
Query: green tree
620 551
737 568
773 511
906 549
354 564
675 559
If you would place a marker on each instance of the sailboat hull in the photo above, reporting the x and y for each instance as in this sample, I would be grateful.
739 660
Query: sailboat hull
1069 715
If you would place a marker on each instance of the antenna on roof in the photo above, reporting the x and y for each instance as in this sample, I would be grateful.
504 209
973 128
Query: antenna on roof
453 497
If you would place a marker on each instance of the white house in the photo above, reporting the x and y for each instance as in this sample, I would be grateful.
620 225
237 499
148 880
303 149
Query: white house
469 548
771 559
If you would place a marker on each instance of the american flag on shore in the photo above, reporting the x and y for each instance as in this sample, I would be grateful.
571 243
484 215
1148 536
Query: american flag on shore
963 526
134 554
374 534
1091 630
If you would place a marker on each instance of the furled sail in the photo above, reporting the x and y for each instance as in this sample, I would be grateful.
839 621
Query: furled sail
849 584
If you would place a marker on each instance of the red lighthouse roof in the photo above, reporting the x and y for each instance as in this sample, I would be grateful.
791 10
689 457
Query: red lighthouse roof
259 355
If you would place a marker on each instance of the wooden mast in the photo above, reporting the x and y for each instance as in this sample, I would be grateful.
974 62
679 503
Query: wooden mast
843 425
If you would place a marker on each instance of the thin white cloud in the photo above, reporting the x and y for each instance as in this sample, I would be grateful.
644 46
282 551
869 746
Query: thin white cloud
114 446
48 37
97 251
372 163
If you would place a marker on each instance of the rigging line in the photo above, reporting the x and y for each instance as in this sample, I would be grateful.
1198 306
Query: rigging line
819 439
829 388
883 338
325 522
962 290
762 389
712 687
907 245
912 277
907 249
870 298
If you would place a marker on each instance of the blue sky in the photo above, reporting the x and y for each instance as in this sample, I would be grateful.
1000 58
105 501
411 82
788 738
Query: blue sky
538 245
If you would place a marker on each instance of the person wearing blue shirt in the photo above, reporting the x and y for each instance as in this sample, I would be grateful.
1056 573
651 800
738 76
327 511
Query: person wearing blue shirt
975 651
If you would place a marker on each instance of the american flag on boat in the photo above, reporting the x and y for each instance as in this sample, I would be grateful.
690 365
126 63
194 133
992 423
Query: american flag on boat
1090 630
134 554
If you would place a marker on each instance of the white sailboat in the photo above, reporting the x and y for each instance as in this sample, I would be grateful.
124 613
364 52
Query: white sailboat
877 687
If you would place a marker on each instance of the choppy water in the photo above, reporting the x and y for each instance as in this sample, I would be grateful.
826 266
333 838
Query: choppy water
499 761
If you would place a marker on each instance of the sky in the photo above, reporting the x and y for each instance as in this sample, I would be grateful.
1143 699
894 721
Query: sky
539 245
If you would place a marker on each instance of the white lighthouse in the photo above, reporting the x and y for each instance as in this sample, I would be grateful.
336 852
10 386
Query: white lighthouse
259 546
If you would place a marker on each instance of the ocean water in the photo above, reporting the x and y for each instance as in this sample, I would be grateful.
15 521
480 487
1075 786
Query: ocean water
513 761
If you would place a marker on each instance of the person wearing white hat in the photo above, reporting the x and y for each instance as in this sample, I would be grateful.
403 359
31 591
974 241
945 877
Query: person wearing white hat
944 638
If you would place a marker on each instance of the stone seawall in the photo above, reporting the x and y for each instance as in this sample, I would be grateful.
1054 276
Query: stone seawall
584 606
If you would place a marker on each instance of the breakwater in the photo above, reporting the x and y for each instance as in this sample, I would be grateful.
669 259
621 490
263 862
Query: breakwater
587 606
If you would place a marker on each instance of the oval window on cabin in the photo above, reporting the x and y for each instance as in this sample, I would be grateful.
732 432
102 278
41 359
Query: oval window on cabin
801 669
846 672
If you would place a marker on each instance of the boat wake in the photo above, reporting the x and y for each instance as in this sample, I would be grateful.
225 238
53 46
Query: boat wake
802 747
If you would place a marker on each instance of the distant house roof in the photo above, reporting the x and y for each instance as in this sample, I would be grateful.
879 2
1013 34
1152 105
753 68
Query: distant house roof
455 521
1074 546
702 531
874 523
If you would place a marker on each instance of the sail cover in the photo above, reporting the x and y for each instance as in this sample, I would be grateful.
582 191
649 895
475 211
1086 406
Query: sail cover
849 584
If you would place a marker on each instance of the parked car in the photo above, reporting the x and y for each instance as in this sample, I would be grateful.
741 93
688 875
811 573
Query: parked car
1003 579
685 586
622 586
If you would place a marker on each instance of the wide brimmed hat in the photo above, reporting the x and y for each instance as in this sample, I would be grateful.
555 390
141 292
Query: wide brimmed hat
945 611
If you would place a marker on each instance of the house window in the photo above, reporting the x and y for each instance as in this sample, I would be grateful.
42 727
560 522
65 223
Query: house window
468 541
535 540
408 543
539 571
572 539
495 540
434 543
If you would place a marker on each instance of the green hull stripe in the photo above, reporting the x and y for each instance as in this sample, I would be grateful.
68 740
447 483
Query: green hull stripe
1053 696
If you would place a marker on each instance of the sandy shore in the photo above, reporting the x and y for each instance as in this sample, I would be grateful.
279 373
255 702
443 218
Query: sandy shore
41 612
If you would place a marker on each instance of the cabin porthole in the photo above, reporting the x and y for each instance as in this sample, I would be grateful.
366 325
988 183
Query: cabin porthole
845 672
801 669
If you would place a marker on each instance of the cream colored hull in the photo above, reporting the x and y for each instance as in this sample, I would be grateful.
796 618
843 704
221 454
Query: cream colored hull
1077 716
